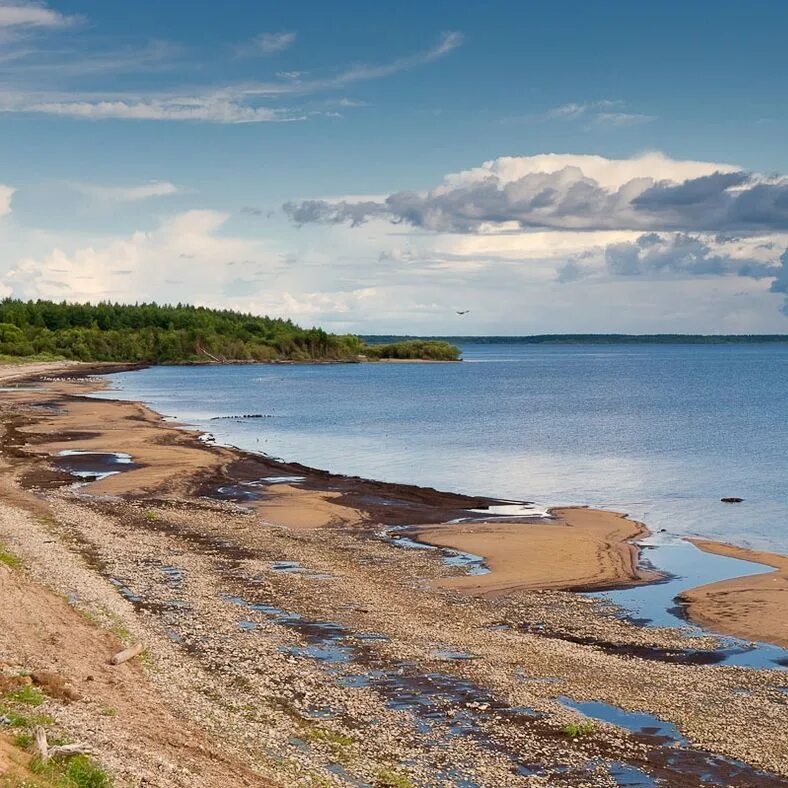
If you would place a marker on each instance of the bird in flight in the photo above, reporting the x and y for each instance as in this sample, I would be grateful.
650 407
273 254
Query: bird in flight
465 312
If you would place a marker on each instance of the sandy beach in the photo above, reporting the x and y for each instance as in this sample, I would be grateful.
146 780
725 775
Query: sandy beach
281 624
752 607
576 550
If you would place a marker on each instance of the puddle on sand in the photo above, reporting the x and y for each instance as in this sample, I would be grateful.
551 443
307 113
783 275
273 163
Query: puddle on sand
509 509
472 564
672 750
640 723
448 655
630 777
687 566
443 705
236 493
93 465
295 568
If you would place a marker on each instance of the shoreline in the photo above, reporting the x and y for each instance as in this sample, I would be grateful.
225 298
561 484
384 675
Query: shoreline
281 626
746 606
579 558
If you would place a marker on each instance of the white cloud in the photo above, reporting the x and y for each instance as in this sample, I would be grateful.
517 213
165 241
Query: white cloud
447 43
608 173
6 193
235 103
211 109
186 258
607 113
269 43
576 192
31 14
117 194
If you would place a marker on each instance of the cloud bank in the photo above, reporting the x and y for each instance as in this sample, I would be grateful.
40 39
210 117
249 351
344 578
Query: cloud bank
577 193
675 219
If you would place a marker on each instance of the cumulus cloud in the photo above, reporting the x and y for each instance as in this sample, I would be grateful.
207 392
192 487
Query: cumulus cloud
650 192
32 15
187 248
680 254
6 193
780 283
116 194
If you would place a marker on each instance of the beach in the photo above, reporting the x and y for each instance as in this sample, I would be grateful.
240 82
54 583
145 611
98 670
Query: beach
283 620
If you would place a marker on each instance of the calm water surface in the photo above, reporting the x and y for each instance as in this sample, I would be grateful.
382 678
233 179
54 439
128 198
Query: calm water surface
661 432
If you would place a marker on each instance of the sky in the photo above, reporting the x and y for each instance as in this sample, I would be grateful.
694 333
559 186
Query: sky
542 167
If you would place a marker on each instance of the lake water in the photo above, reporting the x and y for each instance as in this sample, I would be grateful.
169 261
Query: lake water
659 431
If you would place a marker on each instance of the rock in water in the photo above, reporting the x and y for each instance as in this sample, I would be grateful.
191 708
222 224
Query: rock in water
732 500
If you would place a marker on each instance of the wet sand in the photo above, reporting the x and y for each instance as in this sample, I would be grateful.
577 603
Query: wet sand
580 550
754 607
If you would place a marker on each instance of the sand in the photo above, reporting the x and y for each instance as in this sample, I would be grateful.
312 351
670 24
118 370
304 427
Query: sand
581 549
753 607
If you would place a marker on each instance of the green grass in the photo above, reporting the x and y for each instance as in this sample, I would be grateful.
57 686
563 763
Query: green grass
335 741
576 730
23 740
79 771
9 559
27 694
390 778
19 719
6 359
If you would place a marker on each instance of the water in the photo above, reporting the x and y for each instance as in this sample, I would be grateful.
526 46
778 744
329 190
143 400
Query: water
661 432
687 567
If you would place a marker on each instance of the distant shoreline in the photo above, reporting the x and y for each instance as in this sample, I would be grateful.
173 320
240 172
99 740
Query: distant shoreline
590 339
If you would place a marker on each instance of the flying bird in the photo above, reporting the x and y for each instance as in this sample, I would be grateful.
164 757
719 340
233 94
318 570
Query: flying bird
465 312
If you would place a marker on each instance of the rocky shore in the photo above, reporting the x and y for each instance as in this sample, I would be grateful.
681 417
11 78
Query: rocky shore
290 641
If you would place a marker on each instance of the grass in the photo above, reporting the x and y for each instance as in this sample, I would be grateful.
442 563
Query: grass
23 740
19 707
390 778
79 771
334 740
9 559
6 359
576 730
27 694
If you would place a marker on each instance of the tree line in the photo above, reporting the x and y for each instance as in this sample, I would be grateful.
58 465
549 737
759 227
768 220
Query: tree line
158 334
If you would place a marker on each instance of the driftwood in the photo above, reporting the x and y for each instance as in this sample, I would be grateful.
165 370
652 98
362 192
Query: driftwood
127 654
46 753
41 744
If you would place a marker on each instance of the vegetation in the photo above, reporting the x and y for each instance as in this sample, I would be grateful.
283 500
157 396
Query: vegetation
150 333
576 730
389 778
9 559
427 350
75 771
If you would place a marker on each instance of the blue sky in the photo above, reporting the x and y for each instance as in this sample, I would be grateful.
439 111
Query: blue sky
326 161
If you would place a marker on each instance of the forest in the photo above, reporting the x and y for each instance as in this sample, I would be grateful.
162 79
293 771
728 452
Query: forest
156 334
